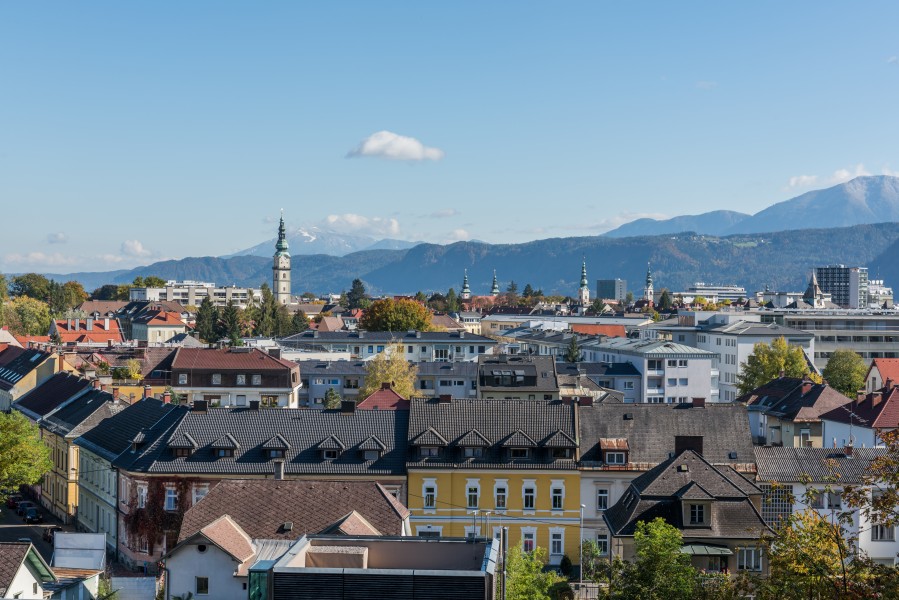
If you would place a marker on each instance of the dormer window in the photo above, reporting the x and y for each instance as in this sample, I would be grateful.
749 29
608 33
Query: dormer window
519 452
561 452
473 452
698 514
371 455
616 458
181 452
224 452
428 451
330 454
276 453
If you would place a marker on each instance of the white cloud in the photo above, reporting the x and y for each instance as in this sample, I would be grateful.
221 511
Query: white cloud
54 259
57 238
706 85
800 181
842 175
893 60
392 146
445 213
838 176
890 172
458 235
134 248
353 223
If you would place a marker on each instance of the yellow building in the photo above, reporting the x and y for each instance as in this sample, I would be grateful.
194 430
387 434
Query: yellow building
23 370
479 465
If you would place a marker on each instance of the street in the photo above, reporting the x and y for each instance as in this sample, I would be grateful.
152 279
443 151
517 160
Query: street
12 528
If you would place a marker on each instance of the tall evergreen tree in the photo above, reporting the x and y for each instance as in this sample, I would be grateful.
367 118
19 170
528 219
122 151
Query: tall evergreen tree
665 302
230 323
452 301
298 323
573 352
528 291
356 295
207 320
282 321
265 326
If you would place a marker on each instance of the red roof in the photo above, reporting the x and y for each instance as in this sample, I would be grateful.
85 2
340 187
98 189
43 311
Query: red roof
609 330
37 339
161 318
384 399
877 410
76 330
888 368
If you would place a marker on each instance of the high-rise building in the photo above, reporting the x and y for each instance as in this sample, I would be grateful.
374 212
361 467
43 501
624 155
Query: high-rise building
281 267
611 289
848 286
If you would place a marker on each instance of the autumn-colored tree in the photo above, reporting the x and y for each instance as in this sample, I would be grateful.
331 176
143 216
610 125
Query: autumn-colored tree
24 458
30 316
845 372
768 361
396 315
390 367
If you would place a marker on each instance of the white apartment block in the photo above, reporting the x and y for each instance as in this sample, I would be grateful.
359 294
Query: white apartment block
192 293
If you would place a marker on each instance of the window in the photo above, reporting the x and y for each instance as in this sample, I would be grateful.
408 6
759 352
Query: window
834 501
430 496
561 452
428 451
241 379
672 364
171 499
371 349
615 458
602 543
518 452
200 492
628 385
372 455
749 559
528 497
473 452
528 539
557 542
276 453
682 362
602 499
181 452
473 496
182 378
329 454
500 497
409 349
654 365
202 585
805 438
257 379
697 514
683 381
269 401
672 381
481 349
216 379
816 499
352 384
882 533
224 452
141 496
430 532
557 496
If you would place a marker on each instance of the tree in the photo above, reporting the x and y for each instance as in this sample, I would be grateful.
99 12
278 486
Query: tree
528 291
207 320
106 292
73 294
767 362
150 281
31 316
629 298
229 324
332 398
700 301
452 301
356 295
662 571
420 297
4 287
396 315
24 458
598 306
268 309
390 367
299 322
573 352
282 320
845 372
665 303
512 288
33 285
525 577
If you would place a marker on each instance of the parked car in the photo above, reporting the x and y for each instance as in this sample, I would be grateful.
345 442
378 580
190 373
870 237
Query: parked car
24 505
13 500
49 532
33 515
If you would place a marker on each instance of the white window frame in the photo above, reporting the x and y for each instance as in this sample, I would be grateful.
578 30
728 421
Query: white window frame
554 486
199 492
241 379
472 484
425 484
141 495
602 543
702 509
472 531
556 536
883 533
529 485
749 559
173 496
525 532
216 379
602 493
182 378
610 455
501 484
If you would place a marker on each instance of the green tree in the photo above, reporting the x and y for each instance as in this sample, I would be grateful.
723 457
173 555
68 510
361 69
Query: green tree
512 288
526 578
268 309
149 281
24 458
665 302
420 297
573 351
32 317
700 301
356 295
452 301
396 315
282 320
207 320
629 298
299 322
528 291
229 324
767 362
106 292
73 294
390 367
332 398
598 306
33 285
4 287
845 372
662 571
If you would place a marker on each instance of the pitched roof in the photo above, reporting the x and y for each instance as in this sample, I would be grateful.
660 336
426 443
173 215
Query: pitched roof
473 439
351 524
114 435
161 318
250 359
651 430
429 437
536 373
88 330
9 353
304 430
383 399
310 506
52 394
103 307
20 364
230 537
875 410
12 555
386 337
503 423
83 413
606 330
794 399
887 367
821 465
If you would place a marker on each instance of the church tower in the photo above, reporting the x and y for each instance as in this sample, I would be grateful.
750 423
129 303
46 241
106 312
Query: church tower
647 291
466 291
281 267
583 292
494 290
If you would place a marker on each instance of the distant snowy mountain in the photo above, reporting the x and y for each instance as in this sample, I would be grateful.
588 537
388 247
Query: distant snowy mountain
710 223
315 240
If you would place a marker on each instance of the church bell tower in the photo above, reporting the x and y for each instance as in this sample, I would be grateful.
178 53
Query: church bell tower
281 267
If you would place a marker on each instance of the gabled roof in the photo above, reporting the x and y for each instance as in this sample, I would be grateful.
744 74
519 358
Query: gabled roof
332 442
228 535
473 439
87 330
9 353
21 364
875 410
310 507
805 401
113 436
559 439
13 555
383 399
694 491
372 443
819 465
351 524
83 413
429 437
613 444
887 367
104 307
52 394
244 359
225 442
182 440
276 442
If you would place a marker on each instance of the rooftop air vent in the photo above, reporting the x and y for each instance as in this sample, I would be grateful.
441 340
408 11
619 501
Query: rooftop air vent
288 526
732 455
682 468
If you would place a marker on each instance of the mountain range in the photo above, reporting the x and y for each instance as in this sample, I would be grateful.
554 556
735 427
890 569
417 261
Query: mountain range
318 240
863 200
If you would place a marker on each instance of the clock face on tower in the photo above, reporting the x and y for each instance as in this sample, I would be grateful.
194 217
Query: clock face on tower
282 262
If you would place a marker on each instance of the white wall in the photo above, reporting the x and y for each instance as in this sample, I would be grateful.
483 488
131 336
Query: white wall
187 563
862 437
23 583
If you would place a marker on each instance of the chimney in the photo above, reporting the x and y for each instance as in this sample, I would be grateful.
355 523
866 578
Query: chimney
385 385
876 397
96 384
315 333
102 387
75 324
69 325
847 450
461 335
860 396
167 398
888 384
200 406
254 404
115 392
274 352
688 442
60 362
279 470
585 401
106 323
698 402
418 335
89 323
109 343
806 387
361 334
445 398
347 407
147 391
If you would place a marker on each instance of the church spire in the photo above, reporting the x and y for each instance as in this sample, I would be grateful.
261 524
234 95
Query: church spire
494 290
584 284
583 292
466 291
647 290
281 267
281 246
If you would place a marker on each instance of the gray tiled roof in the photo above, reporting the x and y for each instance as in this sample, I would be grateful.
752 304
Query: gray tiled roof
88 409
313 368
598 369
791 398
502 423
448 369
537 373
756 329
113 436
820 465
651 348
304 431
52 394
650 430
383 337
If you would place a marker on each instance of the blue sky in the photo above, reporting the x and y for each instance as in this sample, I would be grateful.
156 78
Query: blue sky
134 132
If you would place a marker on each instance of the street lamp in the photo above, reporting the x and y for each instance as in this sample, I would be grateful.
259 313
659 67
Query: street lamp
581 552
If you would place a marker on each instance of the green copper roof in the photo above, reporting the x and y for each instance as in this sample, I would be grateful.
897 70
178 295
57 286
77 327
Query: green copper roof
281 246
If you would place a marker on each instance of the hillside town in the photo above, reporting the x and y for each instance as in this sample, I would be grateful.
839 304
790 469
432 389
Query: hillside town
182 439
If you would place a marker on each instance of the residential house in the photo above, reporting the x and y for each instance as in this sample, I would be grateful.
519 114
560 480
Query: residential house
493 324
470 320
21 370
860 423
510 462
101 308
318 376
100 490
445 322
622 377
7 339
787 411
513 377
157 326
457 379
880 371
377 567
620 442
799 479
87 332
235 377
177 462
716 510
137 308
230 532
23 572
417 345
385 398
192 293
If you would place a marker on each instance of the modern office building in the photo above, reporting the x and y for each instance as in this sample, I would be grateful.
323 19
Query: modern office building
717 293
848 286
611 289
